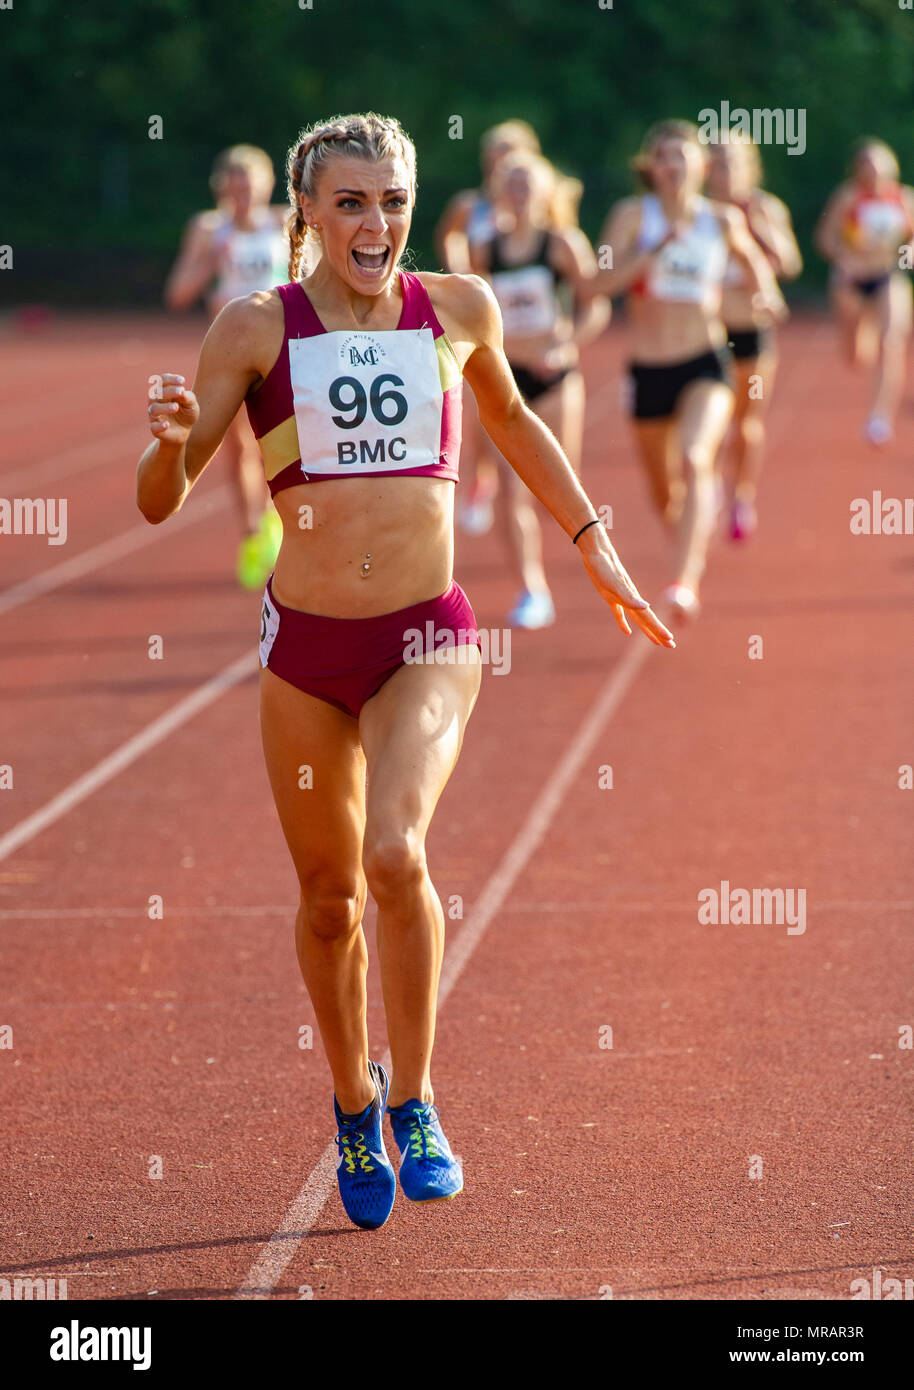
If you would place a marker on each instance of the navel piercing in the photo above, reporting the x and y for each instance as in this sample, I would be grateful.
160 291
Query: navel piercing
366 563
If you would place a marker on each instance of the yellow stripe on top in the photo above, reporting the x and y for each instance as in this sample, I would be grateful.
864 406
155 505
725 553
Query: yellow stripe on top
279 446
448 365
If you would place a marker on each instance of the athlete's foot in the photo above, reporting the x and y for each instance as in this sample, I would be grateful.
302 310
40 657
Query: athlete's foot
477 514
878 429
365 1174
270 532
743 519
250 564
258 551
532 610
683 601
476 518
428 1169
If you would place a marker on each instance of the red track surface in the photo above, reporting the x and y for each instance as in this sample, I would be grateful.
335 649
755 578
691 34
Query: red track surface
585 1167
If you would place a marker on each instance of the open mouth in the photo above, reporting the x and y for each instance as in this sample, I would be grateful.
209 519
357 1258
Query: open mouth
371 258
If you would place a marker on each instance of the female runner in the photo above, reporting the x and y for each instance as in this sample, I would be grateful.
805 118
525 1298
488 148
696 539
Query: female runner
469 218
354 376
536 265
670 249
863 233
734 174
227 252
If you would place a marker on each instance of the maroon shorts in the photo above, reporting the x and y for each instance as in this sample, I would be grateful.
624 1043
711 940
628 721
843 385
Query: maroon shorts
346 660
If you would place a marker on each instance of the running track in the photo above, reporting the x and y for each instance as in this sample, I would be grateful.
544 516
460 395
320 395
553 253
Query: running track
587 1168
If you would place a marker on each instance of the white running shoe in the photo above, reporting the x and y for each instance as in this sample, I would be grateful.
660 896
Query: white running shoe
682 600
878 430
476 518
532 611
743 519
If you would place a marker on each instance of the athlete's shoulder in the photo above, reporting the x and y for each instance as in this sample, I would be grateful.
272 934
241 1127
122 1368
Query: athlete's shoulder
771 204
629 208
459 293
209 221
248 321
571 238
467 300
844 195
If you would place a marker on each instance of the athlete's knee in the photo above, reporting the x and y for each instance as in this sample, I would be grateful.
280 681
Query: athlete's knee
394 863
331 909
752 428
698 458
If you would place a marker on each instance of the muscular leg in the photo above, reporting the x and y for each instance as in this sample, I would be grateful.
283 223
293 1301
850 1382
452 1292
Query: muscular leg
848 308
411 731
703 414
749 420
323 827
478 467
658 446
246 472
516 508
562 409
894 321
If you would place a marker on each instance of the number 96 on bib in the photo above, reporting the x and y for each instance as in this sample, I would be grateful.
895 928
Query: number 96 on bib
366 402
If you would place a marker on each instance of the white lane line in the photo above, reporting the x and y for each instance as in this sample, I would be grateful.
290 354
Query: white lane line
99 915
128 753
281 1248
115 549
75 460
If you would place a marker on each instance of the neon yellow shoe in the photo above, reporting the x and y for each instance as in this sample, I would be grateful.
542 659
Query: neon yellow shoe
250 570
270 534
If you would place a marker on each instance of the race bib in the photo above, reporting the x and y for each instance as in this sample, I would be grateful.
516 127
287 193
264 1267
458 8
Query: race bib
269 626
880 224
526 297
366 402
690 268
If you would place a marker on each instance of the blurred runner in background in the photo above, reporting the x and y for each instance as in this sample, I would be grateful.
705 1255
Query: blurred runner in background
227 252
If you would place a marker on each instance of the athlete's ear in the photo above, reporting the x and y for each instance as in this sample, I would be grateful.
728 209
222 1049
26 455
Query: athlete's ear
307 209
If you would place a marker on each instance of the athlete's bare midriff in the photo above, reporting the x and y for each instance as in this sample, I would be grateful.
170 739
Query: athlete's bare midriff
739 312
663 332
367 545
405 526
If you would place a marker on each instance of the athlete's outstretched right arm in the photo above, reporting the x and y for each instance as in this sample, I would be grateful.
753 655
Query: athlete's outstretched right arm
189 425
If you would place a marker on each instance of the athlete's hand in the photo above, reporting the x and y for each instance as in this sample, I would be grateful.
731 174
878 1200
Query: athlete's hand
774 306
173 411
611 581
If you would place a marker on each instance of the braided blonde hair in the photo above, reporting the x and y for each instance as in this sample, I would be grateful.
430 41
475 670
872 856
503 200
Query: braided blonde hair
367 136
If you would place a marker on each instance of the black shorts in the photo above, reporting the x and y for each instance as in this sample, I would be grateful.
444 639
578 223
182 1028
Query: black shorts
657 389
869 288
746 343
532 386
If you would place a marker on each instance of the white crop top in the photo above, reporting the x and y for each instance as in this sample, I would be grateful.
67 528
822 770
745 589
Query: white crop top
691 267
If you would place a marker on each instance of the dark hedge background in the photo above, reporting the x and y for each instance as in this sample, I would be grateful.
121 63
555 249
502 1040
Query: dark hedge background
93 208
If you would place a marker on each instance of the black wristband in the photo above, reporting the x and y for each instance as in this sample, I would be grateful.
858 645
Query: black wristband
596 521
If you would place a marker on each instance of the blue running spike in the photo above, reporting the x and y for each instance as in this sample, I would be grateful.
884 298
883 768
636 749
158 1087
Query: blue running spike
365 1174
428 1169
